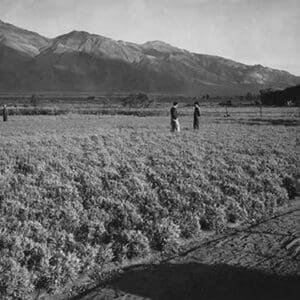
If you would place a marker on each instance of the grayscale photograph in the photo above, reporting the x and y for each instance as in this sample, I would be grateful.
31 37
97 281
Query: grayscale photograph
149 149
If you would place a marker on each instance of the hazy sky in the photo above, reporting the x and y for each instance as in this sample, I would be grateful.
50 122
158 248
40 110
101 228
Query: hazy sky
263 32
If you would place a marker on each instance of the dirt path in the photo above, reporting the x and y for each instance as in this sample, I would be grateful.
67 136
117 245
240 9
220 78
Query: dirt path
255 262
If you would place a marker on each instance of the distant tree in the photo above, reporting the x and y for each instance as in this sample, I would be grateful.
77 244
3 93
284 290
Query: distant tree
207 96
34 100
272 97
249 96
226 103
137 100
257 102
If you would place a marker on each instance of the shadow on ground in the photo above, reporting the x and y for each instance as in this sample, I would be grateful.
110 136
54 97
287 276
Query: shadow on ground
199 281
258 121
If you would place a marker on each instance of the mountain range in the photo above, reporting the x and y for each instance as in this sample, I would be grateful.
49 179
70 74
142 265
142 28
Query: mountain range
80 61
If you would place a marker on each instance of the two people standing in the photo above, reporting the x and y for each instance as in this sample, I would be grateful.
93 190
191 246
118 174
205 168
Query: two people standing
175 126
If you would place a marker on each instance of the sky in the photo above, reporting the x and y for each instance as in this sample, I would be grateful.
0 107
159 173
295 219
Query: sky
263 32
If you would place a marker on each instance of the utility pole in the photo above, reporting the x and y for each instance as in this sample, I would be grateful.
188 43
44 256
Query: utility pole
260 110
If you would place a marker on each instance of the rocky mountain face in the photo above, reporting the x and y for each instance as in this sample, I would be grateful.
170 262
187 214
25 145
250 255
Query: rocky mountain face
80 61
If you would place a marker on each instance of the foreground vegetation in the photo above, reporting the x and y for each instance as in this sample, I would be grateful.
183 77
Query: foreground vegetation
78 192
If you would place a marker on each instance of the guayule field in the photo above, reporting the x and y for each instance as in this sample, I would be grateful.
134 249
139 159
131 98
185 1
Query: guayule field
79 191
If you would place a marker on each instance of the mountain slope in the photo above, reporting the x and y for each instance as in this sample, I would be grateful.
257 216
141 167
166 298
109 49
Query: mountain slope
88 62
24 41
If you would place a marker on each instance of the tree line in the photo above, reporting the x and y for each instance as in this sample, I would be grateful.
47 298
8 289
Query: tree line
288 97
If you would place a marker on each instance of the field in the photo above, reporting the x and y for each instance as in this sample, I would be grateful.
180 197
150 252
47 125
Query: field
78 192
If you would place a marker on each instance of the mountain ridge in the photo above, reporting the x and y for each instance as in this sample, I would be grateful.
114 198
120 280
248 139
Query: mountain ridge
82 61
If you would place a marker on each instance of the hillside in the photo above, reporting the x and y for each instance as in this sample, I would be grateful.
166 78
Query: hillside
88 62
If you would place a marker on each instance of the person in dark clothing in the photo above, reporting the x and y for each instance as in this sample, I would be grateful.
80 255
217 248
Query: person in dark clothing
4 113
196 115
175 126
